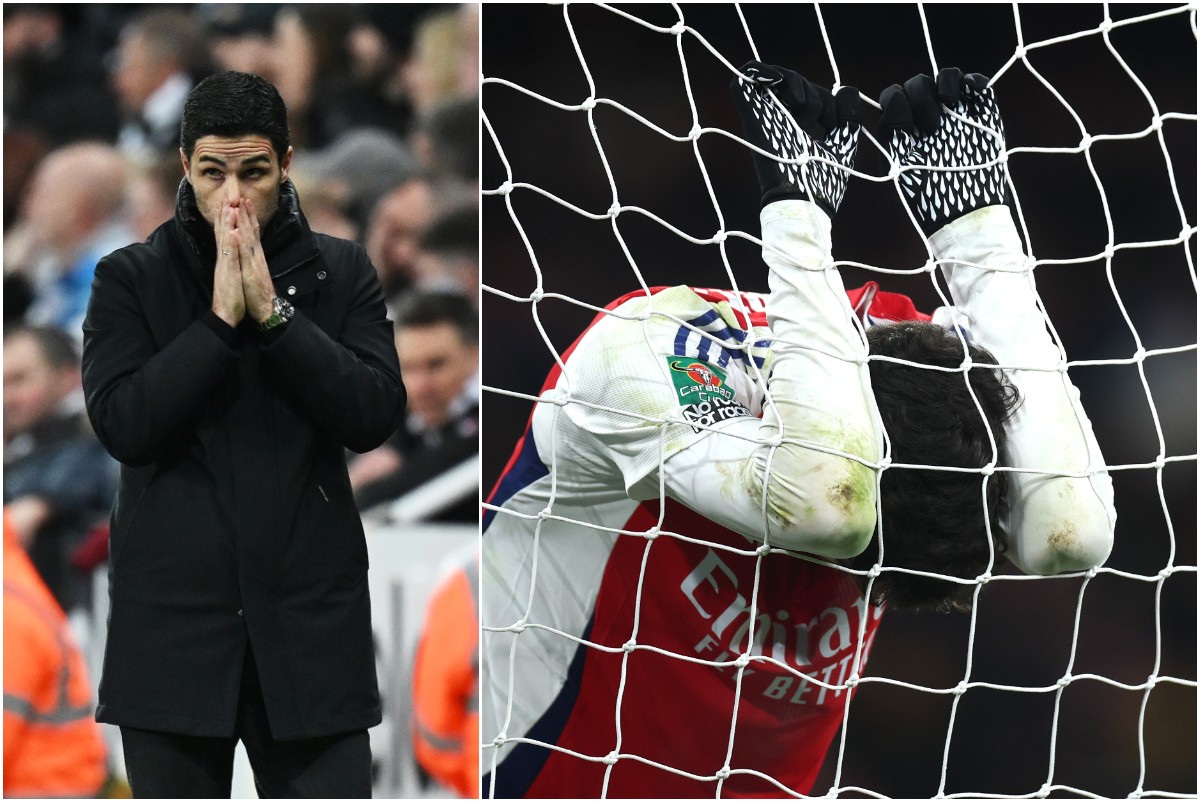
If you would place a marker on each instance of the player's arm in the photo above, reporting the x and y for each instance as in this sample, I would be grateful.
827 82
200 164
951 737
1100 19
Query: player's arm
803 477
1061 514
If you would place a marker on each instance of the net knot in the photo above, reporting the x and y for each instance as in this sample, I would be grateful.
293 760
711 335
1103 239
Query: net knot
610 758
588 104
652 533
960 688
629 645
742 661
1064 681
505 188
678 28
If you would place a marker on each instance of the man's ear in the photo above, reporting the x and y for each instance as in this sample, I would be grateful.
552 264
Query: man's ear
285 164
187 168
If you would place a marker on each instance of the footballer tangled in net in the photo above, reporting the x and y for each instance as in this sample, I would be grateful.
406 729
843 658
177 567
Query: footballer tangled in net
714 500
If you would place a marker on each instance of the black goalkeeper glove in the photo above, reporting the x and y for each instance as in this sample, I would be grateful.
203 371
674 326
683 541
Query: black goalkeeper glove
921 132
828 128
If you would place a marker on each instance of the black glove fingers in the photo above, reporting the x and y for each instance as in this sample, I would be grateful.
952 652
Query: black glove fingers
949 86
846 103
803 99
977 81
926 108
897 113
827 118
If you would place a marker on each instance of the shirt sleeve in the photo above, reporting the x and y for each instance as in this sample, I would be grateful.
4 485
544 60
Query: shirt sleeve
1061 513
801 477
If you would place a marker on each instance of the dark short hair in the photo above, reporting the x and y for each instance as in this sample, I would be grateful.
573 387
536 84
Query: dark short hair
453 131
419 308
56 346
933 520
455 232
232 104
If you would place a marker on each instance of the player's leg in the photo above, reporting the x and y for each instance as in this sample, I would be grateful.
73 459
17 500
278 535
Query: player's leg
163 765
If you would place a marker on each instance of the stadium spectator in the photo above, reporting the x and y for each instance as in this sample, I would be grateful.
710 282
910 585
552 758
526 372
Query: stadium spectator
71 217
434 72
446 140
150 197
447 255
58 481
446 680
240 35
159 56
437 336
52 746
399 220
714 462
54 80
239 606
317 77
358 169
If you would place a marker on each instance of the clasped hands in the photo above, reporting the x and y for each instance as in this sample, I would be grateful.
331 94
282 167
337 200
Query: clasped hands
242 281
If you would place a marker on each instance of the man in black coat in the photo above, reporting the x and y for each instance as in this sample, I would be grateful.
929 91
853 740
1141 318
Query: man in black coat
228 363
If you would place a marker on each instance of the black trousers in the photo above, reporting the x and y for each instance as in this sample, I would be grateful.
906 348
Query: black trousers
167 766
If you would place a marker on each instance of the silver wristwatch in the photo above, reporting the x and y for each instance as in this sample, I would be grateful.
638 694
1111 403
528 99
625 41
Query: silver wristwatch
281 312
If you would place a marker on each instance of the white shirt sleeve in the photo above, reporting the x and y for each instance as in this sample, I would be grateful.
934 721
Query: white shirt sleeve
802 477
1061 514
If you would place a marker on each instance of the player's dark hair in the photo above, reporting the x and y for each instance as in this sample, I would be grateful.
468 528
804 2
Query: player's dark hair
233 104
430 307
933 520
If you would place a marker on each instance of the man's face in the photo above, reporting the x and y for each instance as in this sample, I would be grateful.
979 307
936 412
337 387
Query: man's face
399 221
436 365
33 388
236 169
137 73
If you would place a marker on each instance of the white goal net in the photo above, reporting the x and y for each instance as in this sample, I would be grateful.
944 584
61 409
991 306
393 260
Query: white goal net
613 163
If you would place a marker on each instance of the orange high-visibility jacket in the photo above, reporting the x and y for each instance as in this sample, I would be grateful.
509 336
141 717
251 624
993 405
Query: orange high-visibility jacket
52 746
446 684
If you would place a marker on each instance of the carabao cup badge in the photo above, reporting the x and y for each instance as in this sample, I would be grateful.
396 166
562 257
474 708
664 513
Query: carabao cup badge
702 391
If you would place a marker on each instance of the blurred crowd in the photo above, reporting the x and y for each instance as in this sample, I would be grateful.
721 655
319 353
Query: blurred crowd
383 115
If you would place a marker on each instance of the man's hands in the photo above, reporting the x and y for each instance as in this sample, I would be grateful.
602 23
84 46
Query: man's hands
827 129
242 281
951 123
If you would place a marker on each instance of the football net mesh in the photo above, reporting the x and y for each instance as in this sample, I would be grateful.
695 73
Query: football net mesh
613 162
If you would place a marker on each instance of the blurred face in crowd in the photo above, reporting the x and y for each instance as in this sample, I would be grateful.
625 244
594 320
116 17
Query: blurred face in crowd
436 364
138 72
236 169
74 190
33 388
396 229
